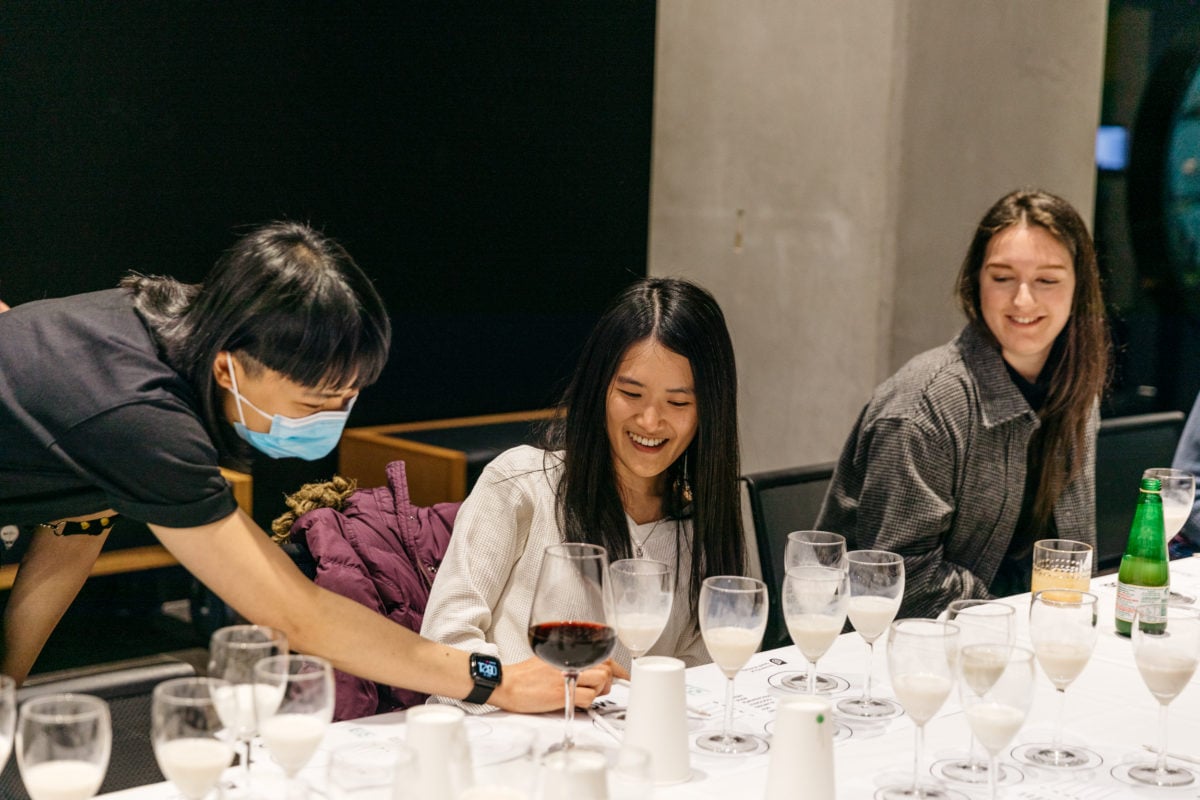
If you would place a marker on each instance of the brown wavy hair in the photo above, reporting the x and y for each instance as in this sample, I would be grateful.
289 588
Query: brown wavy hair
1082 373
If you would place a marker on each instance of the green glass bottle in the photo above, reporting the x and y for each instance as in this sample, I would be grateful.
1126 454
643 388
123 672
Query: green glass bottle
1144 576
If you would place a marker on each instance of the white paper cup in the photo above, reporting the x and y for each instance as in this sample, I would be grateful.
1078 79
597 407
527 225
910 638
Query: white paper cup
656 720
575 774
438 735
800 766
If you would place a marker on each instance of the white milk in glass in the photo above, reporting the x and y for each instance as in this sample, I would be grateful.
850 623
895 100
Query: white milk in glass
813 633
731 646
994 724
870 615
62 780
193 764
922 694
292 739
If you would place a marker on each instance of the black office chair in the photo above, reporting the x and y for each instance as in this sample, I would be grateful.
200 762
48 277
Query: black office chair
782 501
126 685
1124 448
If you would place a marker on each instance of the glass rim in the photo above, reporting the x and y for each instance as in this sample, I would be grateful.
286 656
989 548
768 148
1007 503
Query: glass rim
833 538
749 584
874 557
88 707
576 551
977 602
923 626
1166 472
164 689
1085 598
1063 545
270 636
640 566
269 665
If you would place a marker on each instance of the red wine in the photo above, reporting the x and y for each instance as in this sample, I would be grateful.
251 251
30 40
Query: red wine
572 645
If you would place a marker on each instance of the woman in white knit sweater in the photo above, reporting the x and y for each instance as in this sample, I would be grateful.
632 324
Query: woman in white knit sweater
642 459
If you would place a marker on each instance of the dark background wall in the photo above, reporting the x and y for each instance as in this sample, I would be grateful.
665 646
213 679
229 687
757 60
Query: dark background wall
487 164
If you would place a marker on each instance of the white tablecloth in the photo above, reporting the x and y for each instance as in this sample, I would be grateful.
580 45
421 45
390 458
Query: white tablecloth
1108 708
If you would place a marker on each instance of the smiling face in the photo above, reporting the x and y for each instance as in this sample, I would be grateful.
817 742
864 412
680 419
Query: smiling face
651 415
1026 287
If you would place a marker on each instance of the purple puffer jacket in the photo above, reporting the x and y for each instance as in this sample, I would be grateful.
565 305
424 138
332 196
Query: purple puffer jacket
383 552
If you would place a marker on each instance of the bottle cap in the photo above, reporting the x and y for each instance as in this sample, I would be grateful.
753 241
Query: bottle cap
1151 485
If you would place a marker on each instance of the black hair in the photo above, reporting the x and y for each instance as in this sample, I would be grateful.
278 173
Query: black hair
285 297
685 319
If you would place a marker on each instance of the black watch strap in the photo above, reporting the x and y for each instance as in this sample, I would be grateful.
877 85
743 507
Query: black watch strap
486 672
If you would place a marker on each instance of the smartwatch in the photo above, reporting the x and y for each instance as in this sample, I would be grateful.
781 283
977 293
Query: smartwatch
486 673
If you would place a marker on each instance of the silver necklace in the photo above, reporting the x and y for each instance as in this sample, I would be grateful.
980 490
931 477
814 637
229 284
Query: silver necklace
637 546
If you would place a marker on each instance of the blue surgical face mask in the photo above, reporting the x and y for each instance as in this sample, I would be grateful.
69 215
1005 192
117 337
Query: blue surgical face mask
310 437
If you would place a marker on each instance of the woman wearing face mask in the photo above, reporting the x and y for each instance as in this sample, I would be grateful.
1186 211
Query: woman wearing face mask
121 403
643 460
976 449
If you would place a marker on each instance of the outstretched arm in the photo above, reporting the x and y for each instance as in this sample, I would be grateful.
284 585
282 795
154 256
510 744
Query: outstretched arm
239 562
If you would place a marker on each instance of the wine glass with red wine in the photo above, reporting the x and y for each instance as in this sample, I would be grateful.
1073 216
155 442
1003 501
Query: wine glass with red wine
569 624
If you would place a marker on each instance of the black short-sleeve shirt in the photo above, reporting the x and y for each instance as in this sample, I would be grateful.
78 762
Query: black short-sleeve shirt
91 418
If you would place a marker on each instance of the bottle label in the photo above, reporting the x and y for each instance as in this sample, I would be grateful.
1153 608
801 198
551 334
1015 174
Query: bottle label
1129 597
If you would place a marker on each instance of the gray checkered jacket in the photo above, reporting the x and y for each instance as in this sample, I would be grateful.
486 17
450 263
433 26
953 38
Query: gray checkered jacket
935 470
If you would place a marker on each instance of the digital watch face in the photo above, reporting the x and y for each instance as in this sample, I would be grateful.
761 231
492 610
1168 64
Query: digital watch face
487 668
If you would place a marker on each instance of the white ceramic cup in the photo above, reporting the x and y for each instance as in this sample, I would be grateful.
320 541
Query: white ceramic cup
656 719
438 735
800 766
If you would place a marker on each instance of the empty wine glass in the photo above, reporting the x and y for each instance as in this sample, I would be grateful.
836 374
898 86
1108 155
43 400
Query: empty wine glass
922 656
8 716
733 618
997 690
979 622
63 745
232 653
373 769
876 589
569 620
642 593
1061 564
816 549
293 702
1166 648
188 734
1062 625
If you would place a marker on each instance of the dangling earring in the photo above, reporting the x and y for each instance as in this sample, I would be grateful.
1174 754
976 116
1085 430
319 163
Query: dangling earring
682 486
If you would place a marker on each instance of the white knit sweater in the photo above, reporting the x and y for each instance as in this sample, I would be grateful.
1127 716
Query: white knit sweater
484 589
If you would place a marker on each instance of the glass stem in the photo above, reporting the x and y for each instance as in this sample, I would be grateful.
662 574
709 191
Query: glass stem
870 660
246 763
812 677
1058 722
974 759
728 730
993 768
920 742
1161 765
570 679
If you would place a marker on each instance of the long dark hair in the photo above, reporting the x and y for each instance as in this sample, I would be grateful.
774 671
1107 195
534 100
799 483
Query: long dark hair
685 319
1081 374
283 297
